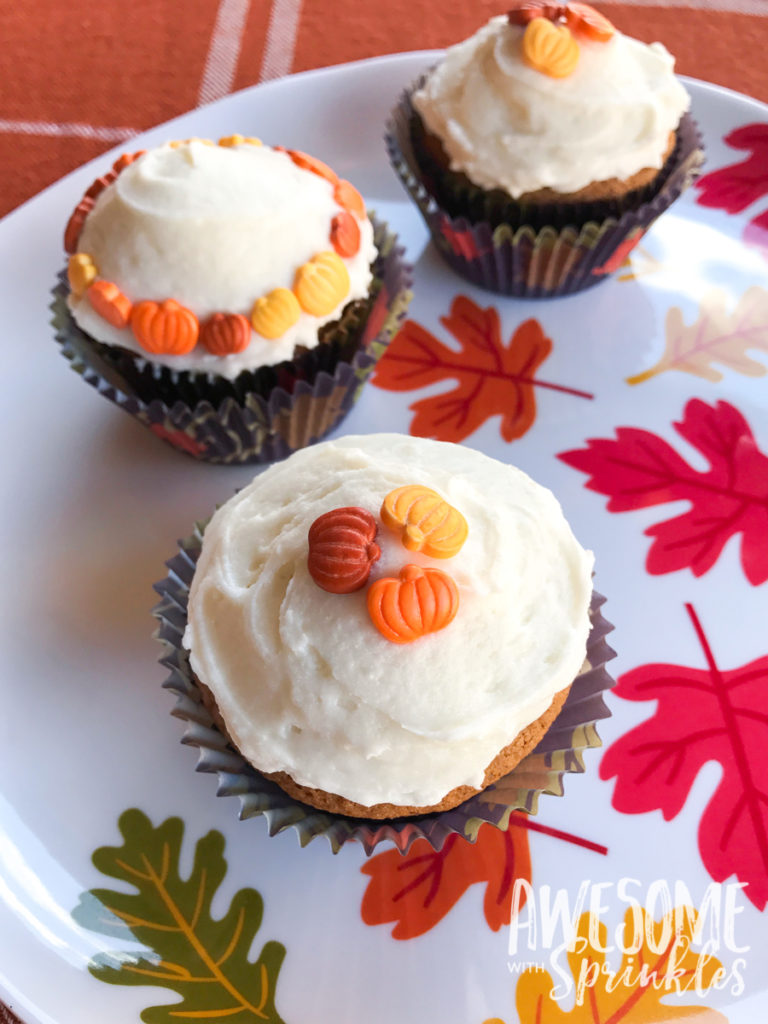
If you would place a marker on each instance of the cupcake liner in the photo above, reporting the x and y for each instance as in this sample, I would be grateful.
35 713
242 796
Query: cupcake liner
529 251
560 750
263 415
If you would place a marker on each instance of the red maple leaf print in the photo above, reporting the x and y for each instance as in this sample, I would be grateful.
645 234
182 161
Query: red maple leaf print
737 186
640 469
702 715
492 378
417 889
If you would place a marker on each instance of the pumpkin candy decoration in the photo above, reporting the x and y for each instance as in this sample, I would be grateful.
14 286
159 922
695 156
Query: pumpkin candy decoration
345 234
420 601
346 195
274 313
97 187
225 333
75 224
550 48
167 328
584 20
81 272
342 549
110 303
321 283
425 521
526 10
127 158
311 163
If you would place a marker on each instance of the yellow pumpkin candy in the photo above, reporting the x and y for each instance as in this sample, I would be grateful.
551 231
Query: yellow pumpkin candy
550 48
81 272
239 140
425 521
274 313
321 284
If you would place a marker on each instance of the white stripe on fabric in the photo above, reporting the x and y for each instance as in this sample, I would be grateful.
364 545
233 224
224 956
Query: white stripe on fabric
223 51
81 131
759 7
281 39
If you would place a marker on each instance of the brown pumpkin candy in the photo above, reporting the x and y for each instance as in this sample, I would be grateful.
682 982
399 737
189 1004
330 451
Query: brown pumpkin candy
342 549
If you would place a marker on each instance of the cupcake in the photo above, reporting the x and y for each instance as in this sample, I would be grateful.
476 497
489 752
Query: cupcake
383 627
541 149
233 297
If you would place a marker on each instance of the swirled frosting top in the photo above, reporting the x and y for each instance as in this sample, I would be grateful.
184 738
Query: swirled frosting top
307 685
507 125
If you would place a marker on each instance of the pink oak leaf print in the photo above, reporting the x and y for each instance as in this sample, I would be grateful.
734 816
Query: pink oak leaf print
702 714
640 469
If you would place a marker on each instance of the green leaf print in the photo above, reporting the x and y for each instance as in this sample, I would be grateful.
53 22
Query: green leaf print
203 959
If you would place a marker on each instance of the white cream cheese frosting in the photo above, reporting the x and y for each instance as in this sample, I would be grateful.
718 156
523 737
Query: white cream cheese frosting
215 228
508 126
307 685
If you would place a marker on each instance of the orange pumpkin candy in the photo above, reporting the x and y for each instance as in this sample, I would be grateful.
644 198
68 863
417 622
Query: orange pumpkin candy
342 549
420 601
345 234
584 20
165 329
110 303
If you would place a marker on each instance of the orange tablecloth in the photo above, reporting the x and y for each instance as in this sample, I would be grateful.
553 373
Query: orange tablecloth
77 79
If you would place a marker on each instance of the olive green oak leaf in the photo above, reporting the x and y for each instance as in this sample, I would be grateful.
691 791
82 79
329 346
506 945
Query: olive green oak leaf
202 958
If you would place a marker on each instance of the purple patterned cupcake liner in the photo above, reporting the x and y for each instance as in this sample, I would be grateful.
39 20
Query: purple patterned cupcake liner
560 751
536 261
309 397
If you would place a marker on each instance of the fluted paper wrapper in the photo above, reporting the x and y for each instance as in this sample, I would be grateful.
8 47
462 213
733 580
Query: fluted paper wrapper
532 251
559 752
262 415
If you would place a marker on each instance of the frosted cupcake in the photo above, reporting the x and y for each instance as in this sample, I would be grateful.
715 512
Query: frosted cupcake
542 148
233 296
385 626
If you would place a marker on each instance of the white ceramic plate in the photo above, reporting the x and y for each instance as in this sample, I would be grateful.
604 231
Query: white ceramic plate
93 505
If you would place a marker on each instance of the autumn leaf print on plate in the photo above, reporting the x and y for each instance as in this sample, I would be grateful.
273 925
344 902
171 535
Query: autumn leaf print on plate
639 469
715 336
738 185
702 714
204 959
492 379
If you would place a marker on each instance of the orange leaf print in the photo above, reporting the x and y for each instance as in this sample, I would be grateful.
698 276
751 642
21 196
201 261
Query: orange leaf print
417 889
661 963
493 379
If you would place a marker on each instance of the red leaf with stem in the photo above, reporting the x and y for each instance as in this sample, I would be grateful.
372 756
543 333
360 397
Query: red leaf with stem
702 715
